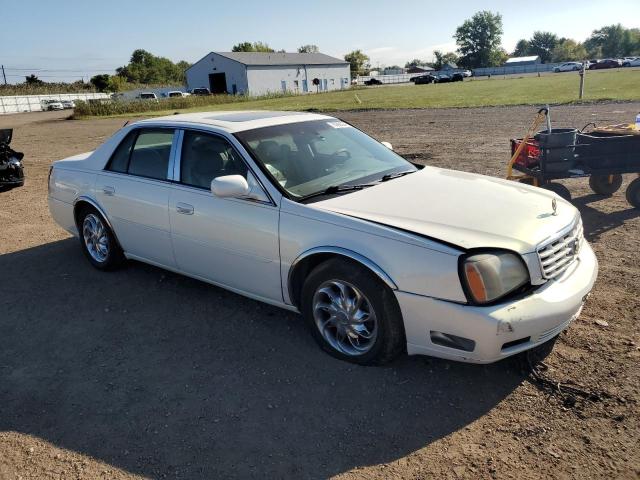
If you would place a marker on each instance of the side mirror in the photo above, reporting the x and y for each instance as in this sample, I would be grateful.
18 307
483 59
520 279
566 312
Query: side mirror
230 186
388 145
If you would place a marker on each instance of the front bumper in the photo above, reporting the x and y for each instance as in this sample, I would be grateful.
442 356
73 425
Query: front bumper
531 320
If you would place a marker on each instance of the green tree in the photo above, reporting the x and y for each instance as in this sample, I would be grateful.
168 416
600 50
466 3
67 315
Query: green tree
567 50
443 58
359 62
416 63
33 80
101 82
522 48
542 44
252 47
613 41
308 49
116 84
478 38
144 67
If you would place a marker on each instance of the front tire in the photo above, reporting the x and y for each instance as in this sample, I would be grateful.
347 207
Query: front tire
97 241
352 314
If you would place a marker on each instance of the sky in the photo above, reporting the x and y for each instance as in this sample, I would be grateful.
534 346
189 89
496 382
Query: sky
73 39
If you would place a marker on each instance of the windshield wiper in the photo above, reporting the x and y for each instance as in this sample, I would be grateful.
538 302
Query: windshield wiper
390 176
338 189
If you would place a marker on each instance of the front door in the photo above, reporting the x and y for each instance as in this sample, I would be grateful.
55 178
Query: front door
134 192
231 242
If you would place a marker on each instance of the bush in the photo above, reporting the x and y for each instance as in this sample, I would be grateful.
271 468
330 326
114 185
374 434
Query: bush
122 107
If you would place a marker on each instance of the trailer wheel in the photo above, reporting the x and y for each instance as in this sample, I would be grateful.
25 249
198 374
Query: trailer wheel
633 193
601 184
559 189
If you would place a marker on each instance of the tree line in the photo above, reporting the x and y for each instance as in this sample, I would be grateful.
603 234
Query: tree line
479 42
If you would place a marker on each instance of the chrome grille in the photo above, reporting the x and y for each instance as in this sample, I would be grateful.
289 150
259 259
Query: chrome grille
557 254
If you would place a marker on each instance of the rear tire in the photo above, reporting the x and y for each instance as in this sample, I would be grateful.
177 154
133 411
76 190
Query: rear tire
600 184
559 189
97 241
633 193
352 314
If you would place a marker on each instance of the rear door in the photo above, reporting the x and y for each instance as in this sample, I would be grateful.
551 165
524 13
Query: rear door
230 241
134 192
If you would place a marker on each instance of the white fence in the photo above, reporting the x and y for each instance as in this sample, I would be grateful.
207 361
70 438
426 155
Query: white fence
515 69
400 78
33 103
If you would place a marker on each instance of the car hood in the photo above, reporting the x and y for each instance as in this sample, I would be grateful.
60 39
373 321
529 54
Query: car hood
462 209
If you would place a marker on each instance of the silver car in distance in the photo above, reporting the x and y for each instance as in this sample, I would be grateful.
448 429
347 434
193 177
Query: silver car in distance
308 213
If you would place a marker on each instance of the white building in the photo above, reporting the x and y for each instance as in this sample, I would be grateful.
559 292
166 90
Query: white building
257 73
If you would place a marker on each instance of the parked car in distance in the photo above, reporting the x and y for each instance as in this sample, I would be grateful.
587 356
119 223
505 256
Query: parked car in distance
175 94
467 73
568 67
308 213
607 63
372 81
52 105
148 96
457 77
633 62
68 104
200 91
423 79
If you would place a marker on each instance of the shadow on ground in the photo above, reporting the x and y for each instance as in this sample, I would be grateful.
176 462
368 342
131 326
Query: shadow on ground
597 222
162 375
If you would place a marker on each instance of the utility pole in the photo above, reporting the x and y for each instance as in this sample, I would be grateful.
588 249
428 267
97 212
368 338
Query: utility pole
3 75
582 74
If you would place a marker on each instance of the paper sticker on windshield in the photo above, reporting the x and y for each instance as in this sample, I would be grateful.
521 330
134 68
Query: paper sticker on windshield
338 124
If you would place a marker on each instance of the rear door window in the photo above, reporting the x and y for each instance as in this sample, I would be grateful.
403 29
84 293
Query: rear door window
150 154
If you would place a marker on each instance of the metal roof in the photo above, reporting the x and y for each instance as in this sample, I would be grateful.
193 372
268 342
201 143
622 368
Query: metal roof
277 58
531 58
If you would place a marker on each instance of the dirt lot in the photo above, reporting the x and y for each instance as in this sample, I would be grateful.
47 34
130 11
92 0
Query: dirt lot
145 373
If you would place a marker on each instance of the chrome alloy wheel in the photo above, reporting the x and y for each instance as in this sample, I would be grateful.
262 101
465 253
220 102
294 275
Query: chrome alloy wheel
345 317
95 238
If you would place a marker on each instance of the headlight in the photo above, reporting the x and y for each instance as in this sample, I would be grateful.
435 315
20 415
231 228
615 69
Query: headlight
488 276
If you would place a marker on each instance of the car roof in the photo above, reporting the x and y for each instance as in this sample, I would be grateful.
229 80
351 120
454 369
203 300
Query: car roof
237 121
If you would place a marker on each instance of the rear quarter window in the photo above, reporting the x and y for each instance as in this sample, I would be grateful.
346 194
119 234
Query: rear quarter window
120 157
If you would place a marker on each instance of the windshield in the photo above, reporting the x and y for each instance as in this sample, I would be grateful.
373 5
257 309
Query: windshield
308 157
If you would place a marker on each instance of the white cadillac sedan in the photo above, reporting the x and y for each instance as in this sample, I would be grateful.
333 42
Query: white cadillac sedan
308 213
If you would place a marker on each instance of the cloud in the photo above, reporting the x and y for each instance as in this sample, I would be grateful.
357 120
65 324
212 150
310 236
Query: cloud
399 56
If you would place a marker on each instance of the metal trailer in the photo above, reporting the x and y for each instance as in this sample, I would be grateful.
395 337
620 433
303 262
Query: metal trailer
603 155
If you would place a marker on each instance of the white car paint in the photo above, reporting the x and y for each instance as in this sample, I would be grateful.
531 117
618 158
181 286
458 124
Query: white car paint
632 62
410 231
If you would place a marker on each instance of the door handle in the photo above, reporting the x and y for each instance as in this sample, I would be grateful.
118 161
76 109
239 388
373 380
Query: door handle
107 190
184 208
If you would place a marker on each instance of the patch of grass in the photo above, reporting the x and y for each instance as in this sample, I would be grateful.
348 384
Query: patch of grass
622 84
102 108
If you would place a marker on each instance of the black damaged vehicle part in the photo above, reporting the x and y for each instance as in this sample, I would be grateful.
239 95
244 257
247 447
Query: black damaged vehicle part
11 168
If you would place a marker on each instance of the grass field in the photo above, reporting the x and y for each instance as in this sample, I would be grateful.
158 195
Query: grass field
561 88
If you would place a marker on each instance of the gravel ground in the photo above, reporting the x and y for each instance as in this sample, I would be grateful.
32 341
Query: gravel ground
143 373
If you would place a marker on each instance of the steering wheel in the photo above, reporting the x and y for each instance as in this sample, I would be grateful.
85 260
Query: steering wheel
344 152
